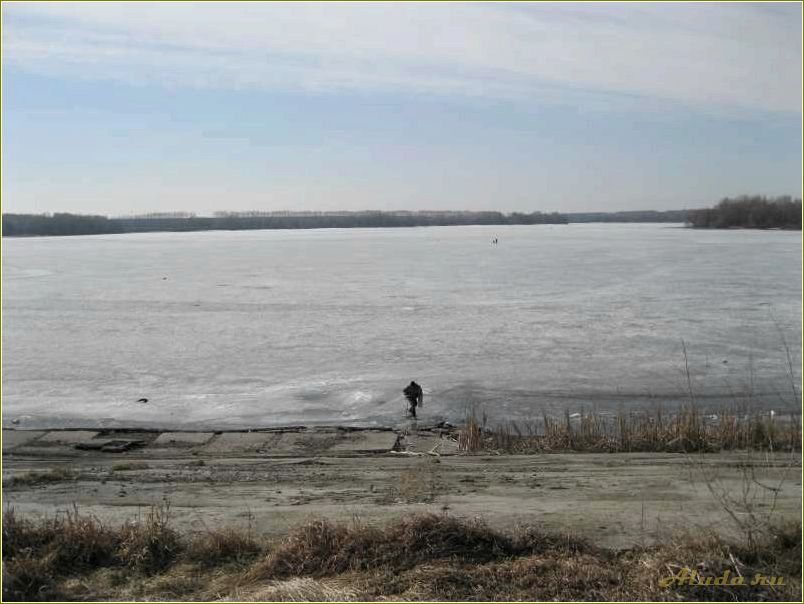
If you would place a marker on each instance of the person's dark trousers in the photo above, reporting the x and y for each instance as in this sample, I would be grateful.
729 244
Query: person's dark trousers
412 407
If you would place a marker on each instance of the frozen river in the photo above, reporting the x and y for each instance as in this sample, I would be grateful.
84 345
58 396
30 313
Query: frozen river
327 326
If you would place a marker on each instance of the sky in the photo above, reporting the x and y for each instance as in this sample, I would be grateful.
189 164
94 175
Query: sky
125 108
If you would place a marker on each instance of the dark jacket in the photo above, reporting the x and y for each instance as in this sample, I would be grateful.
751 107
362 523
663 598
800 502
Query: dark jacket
414 392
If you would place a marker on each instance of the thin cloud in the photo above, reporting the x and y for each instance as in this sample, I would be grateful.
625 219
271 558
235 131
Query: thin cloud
709 56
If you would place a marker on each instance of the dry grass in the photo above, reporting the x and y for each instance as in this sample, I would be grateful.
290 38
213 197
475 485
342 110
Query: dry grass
67 541
778 554
28 578
425 557
35 554
688 430
149 544
298 590
416 484
127 466
57 474
535 577
38 554
470 436
218 546
322 548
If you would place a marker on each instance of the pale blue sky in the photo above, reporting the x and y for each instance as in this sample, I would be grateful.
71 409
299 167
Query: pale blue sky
127 108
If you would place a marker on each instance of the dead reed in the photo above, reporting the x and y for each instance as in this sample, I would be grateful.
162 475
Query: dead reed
149 544
687 430
470 436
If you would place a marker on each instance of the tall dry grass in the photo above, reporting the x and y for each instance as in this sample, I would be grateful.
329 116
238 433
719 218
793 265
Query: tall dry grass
149 544
422 557
38 553
686 431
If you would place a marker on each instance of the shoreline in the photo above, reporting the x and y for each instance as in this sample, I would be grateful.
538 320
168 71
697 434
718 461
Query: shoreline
269 483
735 428
58 461
287 475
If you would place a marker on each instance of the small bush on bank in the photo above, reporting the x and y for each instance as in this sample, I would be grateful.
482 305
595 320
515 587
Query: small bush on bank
149 545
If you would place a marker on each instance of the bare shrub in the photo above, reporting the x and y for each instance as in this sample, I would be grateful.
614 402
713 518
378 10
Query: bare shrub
81 540
150 544
752 506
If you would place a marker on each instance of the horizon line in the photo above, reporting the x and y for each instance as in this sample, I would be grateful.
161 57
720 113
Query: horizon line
245 213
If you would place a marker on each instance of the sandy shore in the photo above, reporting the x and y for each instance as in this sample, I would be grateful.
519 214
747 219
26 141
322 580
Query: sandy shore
276 479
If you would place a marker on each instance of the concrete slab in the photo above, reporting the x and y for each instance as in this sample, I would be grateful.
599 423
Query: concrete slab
365 442
15 438
147 437
68 437
306 443
182 439
424 442
242 442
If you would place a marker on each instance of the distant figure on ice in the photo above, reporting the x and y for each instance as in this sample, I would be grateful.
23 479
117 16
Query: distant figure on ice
415 395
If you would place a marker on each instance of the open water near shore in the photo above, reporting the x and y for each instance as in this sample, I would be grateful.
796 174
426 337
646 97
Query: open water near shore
261 328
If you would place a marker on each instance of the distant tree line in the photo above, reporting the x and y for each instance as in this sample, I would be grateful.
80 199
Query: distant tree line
751 212
77 224
632 216
57 224
746 211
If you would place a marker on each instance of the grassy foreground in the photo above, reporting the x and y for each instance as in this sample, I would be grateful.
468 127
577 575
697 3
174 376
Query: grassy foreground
425 557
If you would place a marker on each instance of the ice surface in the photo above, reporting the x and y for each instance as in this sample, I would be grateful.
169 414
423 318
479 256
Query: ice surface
251 328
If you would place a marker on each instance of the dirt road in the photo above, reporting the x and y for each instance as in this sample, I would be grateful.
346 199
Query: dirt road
276 479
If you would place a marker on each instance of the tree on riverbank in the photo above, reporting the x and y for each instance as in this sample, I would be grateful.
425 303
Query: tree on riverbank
751 212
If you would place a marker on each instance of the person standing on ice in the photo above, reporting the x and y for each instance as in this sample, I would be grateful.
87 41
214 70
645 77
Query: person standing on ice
415 395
